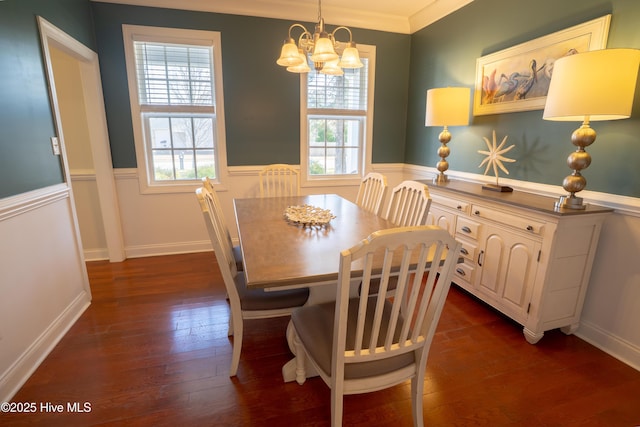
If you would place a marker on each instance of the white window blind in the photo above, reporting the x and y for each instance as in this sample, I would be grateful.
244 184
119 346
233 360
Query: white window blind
346 92
170 74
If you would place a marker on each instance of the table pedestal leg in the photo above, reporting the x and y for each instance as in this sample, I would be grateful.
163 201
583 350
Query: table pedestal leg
289 373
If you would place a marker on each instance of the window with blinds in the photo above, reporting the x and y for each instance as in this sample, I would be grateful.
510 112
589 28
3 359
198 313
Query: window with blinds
176 99
174 74
336 120
346 92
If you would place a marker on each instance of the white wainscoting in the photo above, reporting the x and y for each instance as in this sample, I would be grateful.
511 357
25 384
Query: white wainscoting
611 312
43 283
163 224
172 223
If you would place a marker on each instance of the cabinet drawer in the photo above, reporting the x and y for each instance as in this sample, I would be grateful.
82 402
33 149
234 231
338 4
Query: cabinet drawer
451 203
465 272
468 228
514 221
469 250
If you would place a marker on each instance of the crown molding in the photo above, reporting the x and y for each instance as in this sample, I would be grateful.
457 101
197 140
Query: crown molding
308 12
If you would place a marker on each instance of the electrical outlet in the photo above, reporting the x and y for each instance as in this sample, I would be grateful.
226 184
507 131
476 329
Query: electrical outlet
55 145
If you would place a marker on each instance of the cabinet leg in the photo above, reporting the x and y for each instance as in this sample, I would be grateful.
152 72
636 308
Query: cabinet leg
532 337
570 330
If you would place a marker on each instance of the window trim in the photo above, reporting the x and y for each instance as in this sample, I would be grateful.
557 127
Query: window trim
366 51
133 33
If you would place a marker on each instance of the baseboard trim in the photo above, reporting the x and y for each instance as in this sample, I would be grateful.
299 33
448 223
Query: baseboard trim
611 344
168 249
20 371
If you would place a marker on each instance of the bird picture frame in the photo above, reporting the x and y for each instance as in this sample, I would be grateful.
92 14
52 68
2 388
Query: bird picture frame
517 78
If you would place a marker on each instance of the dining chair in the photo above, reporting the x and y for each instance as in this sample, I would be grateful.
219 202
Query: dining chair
279 180
371 192
219 216
244 303
367 343
409 204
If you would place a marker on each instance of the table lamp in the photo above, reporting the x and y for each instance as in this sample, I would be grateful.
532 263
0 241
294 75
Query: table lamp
589 86
447 106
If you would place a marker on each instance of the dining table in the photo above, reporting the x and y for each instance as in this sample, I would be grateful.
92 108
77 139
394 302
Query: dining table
279 254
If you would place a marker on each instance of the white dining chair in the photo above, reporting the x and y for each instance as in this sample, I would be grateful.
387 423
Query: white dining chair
409 204
371 192
368 343
279 180
219 216
244 303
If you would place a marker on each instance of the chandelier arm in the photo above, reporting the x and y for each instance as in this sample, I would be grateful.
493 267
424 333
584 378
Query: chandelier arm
333 34
304 29
305 41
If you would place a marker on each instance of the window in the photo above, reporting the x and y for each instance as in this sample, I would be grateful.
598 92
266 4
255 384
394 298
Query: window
175 87
336 123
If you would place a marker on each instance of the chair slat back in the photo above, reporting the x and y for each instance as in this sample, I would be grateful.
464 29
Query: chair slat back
219 238
409 204
217 211
423 258
371 192
279 180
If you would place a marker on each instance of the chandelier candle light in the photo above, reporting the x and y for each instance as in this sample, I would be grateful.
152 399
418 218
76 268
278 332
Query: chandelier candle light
322 47
446 107
585 87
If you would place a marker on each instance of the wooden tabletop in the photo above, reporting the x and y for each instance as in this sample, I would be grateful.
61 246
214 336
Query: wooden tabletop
278 253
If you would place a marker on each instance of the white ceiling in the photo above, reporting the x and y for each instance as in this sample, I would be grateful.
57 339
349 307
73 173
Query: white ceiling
400 16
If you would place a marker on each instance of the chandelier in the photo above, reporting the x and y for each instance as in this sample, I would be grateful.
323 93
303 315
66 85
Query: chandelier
323 48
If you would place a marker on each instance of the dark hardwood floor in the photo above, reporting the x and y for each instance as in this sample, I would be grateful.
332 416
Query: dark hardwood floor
152 350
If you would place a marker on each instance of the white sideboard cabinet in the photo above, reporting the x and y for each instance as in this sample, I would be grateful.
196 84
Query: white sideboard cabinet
521 255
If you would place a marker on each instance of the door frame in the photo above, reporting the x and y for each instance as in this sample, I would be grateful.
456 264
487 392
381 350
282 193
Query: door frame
97 124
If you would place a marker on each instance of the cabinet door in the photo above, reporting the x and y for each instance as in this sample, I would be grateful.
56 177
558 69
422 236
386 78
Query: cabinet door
442 219
507 268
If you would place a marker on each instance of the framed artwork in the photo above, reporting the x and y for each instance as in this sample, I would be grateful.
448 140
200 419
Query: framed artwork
517 78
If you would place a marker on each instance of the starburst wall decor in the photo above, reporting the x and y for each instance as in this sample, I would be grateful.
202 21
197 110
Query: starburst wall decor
495 157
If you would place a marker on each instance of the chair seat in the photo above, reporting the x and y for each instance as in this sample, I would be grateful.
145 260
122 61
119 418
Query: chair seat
237 256
259 299
374 285
314 326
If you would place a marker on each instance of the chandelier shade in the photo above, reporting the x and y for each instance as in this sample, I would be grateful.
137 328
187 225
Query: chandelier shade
289 55
302 67
321 47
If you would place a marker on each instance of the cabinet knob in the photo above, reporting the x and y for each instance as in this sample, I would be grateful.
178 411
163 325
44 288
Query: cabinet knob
466 229
529 227
477 212
459 207
480 258
460 271
464 251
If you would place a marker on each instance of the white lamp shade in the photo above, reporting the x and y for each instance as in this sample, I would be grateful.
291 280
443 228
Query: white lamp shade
594 85
350 58
323 50
332 68
301 68
448 106
289 55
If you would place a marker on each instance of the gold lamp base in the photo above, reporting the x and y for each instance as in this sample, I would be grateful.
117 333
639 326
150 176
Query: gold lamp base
443 152
570 202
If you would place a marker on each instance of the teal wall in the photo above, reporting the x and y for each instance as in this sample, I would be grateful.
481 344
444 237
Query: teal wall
26 120
445 53
261 100
262 110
